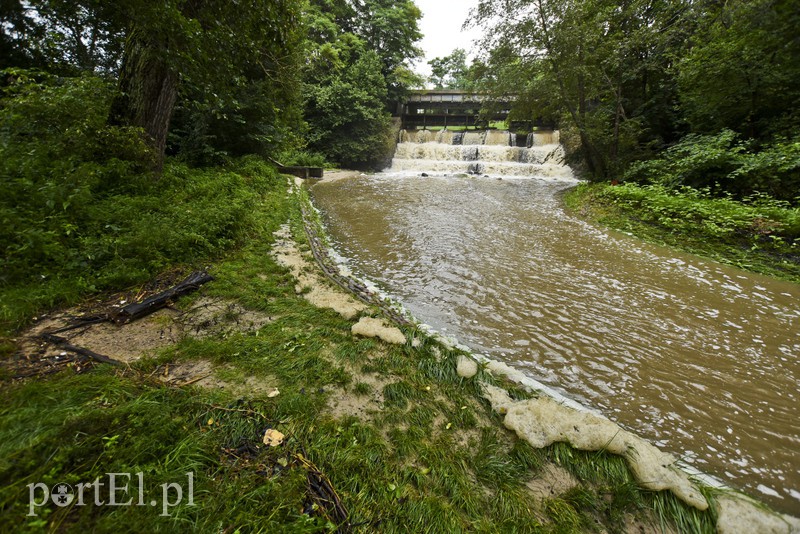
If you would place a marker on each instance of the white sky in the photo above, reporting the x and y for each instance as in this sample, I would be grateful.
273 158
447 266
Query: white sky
441 29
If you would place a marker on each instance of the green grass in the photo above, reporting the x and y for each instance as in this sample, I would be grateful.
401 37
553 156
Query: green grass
759 235
185 219
435 458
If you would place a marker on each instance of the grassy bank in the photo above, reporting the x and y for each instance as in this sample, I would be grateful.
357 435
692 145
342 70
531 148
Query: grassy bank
377 437
759 234
58 256
81 209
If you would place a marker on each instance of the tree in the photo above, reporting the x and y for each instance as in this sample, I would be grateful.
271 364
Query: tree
357 55
80 36
632 78
345 95
388 27
18 30
604 63
211 45
450 72
67 37
743 68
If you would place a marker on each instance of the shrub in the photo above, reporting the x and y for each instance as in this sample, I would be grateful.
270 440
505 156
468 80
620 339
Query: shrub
758 222
56 156
79 210
724 163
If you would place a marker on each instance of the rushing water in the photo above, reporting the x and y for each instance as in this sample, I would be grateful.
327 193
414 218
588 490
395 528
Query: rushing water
699 358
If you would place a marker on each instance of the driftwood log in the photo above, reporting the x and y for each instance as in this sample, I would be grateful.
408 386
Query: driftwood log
137 310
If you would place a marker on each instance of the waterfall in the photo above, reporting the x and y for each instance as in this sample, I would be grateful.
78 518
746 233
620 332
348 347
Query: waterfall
544 138
492 152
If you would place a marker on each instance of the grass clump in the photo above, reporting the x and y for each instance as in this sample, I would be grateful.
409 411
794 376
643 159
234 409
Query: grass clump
758 233
398 394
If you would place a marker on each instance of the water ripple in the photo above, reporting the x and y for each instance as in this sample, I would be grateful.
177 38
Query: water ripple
698 357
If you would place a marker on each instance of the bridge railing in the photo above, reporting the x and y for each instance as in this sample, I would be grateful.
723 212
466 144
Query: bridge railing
446 108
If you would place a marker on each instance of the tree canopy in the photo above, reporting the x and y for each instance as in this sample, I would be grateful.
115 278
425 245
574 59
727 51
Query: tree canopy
631 78
357 69
450 72
206 79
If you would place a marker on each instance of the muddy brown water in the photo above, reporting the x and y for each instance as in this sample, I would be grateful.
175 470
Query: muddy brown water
700 358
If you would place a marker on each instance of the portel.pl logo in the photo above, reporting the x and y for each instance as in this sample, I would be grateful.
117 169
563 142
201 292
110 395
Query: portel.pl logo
113 492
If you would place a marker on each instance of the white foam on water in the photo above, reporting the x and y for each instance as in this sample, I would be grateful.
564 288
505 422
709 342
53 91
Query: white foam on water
481 153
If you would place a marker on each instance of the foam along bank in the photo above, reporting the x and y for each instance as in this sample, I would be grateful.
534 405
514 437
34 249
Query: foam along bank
551 417
548 419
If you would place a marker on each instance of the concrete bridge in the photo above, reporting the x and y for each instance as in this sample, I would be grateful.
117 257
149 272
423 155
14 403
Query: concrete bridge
443 108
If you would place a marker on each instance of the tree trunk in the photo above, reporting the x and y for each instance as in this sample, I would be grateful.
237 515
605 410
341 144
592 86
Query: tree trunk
148 89
594 160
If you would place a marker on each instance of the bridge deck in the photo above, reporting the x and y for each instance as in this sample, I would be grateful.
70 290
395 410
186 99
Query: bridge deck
443 108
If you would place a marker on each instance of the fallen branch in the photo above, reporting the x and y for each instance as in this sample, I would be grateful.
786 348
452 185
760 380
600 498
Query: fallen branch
324 495
38 373
137 310
195 380
65 344
79 322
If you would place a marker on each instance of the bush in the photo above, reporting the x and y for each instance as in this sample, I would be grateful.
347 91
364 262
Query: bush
303 158
758 222
79 210
56 156
724 163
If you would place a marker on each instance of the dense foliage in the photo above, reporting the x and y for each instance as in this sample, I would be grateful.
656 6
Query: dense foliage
79 211
67 37
355 72
757 233
725 163
209 79
232 71
719 81
95 95
451 71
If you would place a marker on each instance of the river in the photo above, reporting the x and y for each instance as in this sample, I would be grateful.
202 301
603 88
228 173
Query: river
699 358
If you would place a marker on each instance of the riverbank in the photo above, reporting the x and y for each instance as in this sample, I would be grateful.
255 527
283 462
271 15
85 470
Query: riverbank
268 388
761 236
